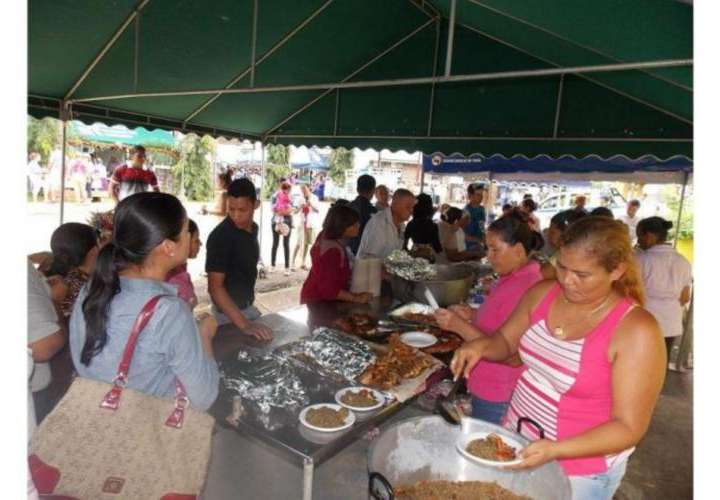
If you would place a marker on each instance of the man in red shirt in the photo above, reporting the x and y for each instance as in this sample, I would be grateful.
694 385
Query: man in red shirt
132 177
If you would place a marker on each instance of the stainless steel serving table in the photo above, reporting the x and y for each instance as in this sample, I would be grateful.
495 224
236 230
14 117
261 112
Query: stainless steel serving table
297 443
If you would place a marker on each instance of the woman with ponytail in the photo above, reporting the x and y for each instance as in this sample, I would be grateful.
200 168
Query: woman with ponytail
510 242
595 359
666 275
75 249
150 237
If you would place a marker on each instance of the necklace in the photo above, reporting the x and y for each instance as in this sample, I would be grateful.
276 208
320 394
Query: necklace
559 331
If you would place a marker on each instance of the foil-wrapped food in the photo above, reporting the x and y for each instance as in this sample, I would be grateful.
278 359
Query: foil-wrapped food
267 381
333 352
402 264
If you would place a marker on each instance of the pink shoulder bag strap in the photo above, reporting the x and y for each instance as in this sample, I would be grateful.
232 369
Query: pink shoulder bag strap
111 401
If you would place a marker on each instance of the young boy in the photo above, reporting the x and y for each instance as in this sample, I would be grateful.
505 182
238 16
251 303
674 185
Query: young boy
475 217
231 264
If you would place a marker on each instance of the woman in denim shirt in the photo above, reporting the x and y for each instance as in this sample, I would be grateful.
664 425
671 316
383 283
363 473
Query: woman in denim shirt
150 237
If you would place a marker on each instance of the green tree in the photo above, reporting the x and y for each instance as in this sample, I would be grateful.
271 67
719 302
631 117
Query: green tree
671 194
43 136
277 154
341 160
193 171
277 166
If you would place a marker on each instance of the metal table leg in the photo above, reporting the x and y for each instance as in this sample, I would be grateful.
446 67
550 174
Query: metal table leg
307 479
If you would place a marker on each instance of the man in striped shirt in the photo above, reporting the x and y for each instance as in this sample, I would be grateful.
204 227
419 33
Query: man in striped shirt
132 177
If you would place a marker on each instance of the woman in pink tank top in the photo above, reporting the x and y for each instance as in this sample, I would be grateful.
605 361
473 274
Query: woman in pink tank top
510 242
594 359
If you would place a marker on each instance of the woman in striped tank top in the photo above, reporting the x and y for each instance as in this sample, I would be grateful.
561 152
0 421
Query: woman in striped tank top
595 359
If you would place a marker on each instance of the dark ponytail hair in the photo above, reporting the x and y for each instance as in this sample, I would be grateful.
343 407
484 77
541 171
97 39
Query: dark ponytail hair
142 221
452 215
655 225
513 228
70 244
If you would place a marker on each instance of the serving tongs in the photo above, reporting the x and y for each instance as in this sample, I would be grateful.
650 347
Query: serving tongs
396 324
447 408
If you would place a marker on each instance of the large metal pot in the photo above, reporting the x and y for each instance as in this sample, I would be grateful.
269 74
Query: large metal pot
423 448
450 286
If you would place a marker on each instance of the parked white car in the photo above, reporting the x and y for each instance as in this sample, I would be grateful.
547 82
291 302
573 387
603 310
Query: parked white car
555 203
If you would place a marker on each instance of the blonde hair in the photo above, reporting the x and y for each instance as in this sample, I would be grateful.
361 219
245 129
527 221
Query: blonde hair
608 241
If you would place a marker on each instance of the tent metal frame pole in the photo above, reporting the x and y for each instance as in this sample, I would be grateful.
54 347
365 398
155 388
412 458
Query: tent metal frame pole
557 108
262 58
572 42
680 210
422 173
357 71
503 75
254 43
584 77
65 116
451 37
136 66
435 63
337 111
106 48
262 185
421 7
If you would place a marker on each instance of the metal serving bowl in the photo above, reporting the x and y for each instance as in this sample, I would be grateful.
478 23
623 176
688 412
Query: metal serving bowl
423 448
450 286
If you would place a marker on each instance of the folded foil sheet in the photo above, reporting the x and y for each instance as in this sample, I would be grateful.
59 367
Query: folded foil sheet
267 381
333 352
402 264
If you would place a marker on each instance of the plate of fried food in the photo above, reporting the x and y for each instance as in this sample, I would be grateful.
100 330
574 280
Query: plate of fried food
326 417
360 324
489 448
446 342
360 398
401 362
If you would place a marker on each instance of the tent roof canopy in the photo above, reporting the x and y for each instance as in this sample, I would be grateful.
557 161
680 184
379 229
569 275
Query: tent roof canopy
527 78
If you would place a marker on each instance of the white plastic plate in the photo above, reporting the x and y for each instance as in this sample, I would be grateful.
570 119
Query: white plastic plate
349 421
464 440
418 339
376 394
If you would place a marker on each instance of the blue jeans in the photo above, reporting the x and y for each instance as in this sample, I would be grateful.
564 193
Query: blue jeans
598 486
489 411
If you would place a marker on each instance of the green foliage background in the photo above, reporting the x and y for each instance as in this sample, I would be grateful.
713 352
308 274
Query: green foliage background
671 195
341 160
194 169
277 166
45 135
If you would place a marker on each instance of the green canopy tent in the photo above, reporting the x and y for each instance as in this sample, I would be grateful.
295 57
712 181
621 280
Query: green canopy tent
503 77
102 133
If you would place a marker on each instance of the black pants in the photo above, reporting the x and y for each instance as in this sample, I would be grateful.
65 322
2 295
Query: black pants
286 245
669 341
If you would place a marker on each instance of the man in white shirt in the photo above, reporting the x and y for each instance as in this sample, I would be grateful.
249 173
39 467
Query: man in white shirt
385 231
630 219
382 195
